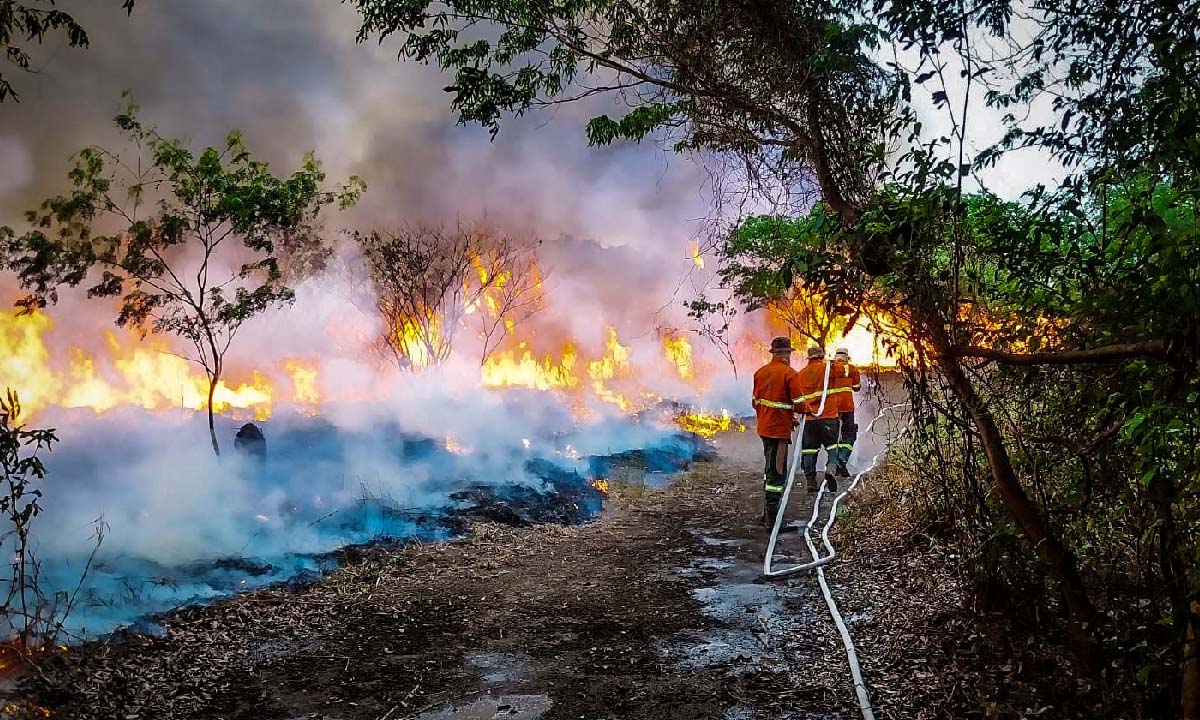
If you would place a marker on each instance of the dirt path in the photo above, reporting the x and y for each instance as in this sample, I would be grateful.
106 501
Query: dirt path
650 612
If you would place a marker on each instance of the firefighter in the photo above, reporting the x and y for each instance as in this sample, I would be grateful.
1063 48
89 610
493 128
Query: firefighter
845 380
820 430
776 394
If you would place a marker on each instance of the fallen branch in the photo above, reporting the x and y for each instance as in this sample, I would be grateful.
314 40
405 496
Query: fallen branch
1076 447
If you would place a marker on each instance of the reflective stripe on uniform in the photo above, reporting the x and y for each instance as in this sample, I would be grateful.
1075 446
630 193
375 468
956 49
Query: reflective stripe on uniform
844 446
773 404
817 394
810 452
773 488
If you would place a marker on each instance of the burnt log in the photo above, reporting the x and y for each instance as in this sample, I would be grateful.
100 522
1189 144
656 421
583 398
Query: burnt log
250 442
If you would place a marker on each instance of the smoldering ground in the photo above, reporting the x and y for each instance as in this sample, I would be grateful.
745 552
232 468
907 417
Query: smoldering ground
181 524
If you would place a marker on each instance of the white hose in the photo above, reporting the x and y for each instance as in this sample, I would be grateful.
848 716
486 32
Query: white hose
860 686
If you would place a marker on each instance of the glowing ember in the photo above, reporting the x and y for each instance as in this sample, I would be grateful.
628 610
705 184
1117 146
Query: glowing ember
455 447
600 484
708 425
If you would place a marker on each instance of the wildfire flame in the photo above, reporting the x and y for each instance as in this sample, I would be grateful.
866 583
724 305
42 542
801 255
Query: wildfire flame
707 424
600 484
804 311
679 352
145 374
126 370
615 361
518 368
304 382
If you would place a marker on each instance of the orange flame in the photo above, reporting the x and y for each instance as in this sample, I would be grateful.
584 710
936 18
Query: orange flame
518 368
804 310
144 374
613 363
455 446
707 424
304 382
679 352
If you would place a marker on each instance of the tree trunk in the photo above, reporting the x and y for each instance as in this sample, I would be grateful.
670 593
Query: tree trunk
212 429
1190 694
1082 619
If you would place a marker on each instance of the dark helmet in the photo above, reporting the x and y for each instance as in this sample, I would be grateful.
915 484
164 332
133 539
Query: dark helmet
781 346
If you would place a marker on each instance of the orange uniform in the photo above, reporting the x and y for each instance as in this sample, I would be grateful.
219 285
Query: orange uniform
844 381
777 391
812 381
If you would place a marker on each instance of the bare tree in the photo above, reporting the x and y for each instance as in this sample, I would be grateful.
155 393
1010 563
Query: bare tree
714 323
429 280
513 293
805 312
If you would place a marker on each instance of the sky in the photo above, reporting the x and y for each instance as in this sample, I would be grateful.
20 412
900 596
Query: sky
289 74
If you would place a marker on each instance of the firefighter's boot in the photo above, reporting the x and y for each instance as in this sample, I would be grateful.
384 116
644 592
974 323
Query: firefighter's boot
770 508
830 482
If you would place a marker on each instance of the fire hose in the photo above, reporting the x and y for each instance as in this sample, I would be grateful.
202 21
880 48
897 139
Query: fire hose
818 561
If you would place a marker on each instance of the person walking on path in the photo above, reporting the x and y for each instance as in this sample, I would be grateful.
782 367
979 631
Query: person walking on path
820 419
844 381
777 396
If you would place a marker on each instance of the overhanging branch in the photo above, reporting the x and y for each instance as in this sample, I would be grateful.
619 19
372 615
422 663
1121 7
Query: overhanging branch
1153 349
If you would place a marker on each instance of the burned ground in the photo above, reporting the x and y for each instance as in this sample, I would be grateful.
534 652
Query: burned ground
652 611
